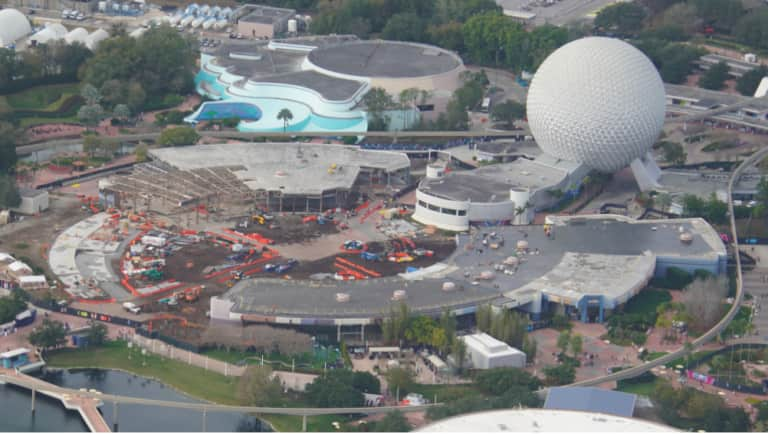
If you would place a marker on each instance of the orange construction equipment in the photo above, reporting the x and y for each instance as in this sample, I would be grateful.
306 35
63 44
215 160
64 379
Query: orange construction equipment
309 219
408 242
351 264
356 274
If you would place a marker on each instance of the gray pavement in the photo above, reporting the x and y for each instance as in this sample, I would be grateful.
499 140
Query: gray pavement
756 283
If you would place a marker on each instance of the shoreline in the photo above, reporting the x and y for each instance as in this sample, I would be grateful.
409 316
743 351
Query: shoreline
174 388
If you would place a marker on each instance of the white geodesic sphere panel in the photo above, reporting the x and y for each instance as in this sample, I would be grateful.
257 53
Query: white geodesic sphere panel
597 101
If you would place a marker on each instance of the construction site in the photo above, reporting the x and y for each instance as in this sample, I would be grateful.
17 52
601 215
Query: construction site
164 239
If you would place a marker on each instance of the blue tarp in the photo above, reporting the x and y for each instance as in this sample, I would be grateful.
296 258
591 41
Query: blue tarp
591 399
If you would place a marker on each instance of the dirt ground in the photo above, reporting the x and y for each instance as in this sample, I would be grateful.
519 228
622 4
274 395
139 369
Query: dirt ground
442 249
31 238
289 229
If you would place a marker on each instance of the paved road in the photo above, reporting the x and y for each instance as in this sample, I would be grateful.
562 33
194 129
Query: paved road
756 283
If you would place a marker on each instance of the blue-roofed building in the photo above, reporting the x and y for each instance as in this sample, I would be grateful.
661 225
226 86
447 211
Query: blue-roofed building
591 399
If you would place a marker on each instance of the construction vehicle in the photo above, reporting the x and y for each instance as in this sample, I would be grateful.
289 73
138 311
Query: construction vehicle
423 253
370 256
353 245
237 275
153 274
262 218
130 307
287 266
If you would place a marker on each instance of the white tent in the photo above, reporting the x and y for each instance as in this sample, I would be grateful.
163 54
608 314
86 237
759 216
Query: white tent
13 26
93 40
51 32
77 35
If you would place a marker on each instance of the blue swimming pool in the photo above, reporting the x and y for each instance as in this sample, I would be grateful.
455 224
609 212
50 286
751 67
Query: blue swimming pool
226 110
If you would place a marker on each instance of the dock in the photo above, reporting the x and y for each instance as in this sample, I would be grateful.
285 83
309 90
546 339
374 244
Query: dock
87 407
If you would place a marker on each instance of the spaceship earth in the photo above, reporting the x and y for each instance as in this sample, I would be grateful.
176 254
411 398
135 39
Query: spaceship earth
597 101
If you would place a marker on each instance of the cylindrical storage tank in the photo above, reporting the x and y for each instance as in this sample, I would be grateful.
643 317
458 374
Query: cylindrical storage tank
187 20
220 24
399 295
519 196
204 9
174 20
435 171
449 286
208 23
522 245
686 238
77 35
292 26
197 22
342 297
226 12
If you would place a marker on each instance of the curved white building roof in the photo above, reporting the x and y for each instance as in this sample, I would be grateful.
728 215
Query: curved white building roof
92 41
77 35
538 420
13 26
51 32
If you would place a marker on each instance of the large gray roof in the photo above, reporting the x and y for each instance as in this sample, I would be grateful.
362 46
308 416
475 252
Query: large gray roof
607 243
591 399
385 59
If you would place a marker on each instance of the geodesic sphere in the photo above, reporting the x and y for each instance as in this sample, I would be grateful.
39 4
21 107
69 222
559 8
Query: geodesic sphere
597 101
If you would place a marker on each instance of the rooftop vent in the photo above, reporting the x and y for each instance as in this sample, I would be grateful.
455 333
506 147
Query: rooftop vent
342 297
399 295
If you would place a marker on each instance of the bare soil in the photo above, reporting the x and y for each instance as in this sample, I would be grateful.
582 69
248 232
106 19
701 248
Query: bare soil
290 229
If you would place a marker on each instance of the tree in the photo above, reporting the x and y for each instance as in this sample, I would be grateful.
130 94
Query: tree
51 334
714 78
161 61
722 14
559 375
483 317
459 353
564 341
498 381
334 390
420 330
577 344
9 193
530 348
674 153
508 112
377 101
97 333
366 382
394 421
92 144
682 16
703 300
624 18
751 29
121 112
8 137
286 116
141 152
395 324
178 136
90 94
259 387
11 306
404 27
90 115
747 84
448 36
399 379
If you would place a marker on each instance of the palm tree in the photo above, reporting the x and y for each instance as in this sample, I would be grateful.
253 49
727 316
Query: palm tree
286 116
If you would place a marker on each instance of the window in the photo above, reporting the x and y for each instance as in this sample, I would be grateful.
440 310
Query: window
422 204
448 211
434 208
462 212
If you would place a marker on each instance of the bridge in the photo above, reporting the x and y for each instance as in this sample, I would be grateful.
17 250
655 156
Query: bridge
87 403
72 400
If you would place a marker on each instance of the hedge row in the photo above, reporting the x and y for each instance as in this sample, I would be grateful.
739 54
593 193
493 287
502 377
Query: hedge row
68 108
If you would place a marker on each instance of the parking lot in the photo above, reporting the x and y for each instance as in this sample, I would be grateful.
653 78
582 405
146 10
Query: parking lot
558 12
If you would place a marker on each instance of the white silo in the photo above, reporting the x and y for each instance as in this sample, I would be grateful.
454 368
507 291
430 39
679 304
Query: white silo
292 26
435 171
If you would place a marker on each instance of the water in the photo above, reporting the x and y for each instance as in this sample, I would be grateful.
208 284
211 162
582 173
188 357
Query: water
50 415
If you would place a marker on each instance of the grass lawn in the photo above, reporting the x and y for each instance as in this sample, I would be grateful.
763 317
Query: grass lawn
31 122
306 362
655 355
646 301
645 388
196 382
42 97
